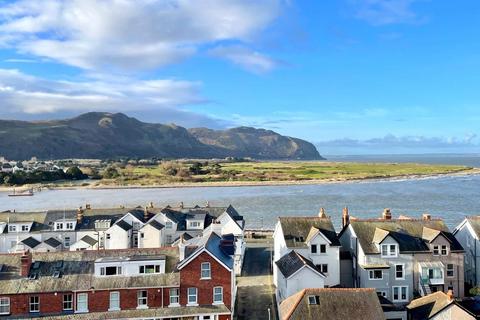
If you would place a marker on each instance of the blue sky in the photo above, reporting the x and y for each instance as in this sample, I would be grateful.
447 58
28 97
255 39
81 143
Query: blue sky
352 76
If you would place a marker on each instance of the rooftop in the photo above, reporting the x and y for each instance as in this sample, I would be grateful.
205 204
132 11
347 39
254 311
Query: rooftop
297 229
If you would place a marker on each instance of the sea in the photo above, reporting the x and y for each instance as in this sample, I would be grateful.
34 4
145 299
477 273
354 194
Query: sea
447 197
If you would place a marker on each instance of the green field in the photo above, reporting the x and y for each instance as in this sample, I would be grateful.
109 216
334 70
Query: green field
181 172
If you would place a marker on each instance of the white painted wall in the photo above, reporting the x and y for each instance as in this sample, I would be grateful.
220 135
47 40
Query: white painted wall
119 238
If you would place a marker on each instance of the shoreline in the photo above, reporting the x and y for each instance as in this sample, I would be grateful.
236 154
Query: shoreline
467 172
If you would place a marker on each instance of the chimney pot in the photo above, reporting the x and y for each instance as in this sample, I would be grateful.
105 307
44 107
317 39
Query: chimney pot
322 213
345 217
427 216
146 214
87 206
207 205
450 295
79 215
26 263
151 205
387 214
181 204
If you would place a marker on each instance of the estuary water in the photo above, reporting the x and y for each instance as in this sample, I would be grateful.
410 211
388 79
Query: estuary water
450 197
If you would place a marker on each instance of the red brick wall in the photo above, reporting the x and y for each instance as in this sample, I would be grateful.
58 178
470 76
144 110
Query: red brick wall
190 277
49 303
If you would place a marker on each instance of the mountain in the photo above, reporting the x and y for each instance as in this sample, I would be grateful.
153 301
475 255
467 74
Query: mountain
109 135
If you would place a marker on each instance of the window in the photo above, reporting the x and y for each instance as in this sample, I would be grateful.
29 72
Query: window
34 304
313 248
450 270
114 300
389 250
66 242
435 250
12 228
206 273
218 295
110 271
174 296
108 236
67 302
194 224
375 274
323 268
312 300
400 293
5 305
323 248
82 302
69 225
59 225
168 225
142 299
382 293
192 296
25 228
150 268
399 272
169 238
444 250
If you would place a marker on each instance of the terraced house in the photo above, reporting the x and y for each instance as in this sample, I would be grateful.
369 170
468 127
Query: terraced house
468 234
116 228
403 258
152 283
306 254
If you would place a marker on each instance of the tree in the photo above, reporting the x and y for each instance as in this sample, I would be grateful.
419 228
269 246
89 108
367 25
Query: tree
196 168
75 173
111 173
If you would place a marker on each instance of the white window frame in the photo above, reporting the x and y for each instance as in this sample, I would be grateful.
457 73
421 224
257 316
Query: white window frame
114 302
25 228
442 247
192 293
142 302
312 300
202 270
388 253
69 225
316 249
322 268
5 304
169 225
436 248
12 228
382 293
65 301
215 301
399 294
67 242
118 270
403 271
174 298
371 273
35 303
320 249
143 269
82 301
453 270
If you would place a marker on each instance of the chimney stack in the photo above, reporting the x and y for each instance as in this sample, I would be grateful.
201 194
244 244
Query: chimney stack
427 216
26 263
387 214
207 205
450 295
181 205
79 215
322 213
345 217
151 205
88 206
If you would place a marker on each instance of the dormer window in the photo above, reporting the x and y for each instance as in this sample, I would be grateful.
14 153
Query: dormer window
194 224
313 249
444 251
389 250
12 228
111 271
323 248
150 268
69 225
168 225
25 228
436 250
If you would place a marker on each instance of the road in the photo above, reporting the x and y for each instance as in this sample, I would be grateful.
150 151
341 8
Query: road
255 295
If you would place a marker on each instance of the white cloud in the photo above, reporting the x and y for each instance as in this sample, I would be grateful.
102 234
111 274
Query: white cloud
384 12
130 35
33 95
250 60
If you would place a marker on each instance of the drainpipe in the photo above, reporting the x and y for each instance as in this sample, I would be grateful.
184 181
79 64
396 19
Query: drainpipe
475 263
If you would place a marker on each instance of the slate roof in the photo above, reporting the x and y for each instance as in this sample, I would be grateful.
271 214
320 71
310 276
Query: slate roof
30 242
89 240
332 304
407 232
210 242
124 225
77 271
292 262
428 306
52 242
296 230
157 225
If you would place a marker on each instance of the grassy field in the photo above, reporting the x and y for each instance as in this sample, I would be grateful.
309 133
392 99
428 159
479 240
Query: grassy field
182 172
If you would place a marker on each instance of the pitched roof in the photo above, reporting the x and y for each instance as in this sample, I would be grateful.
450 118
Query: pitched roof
332 304
124 225
30 242
157 225
89 240
407 232
77 271
296 230
429 305
52 242
292 262
475 223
